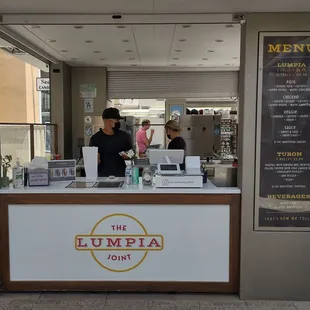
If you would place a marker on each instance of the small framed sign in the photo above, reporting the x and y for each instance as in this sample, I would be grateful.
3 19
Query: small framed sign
38 177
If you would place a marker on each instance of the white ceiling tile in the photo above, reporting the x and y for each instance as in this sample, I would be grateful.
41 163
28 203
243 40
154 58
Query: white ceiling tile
147 46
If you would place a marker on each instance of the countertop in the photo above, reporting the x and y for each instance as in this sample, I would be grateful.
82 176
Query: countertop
60 188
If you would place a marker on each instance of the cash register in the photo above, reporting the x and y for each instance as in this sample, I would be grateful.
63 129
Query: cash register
169 174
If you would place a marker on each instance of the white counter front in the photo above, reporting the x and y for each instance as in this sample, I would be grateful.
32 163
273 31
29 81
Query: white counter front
132 238
61 188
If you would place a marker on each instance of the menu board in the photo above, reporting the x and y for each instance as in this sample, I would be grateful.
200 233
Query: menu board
283 183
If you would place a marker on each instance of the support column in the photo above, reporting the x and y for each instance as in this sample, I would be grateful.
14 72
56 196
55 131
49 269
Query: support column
274 265
61 106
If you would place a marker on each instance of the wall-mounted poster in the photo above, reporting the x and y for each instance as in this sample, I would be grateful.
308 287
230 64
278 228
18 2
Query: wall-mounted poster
282 200
88 91
89 105
175 112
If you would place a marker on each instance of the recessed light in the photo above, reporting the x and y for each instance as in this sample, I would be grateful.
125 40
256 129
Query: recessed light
51 41
129 51
200 65
78 27
121 27
96 52
64 51
235 57
132 58
126 41
182 40
74 58
227 64
204 58
134 65
230 26
35 27
178 51
219 41
173 65
175 58
89 41
186 26
211 51
102 59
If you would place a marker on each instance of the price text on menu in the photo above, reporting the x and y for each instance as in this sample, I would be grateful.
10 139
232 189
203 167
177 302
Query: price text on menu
284 182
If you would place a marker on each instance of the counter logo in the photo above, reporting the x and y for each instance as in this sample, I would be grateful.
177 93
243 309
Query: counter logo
119 242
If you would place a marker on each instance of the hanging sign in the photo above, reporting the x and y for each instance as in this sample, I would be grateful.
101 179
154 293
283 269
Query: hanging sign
43 84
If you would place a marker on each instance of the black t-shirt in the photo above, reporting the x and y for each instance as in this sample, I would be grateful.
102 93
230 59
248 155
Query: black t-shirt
178 143
109 147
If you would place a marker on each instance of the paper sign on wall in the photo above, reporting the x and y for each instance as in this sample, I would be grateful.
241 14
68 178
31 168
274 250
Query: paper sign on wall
88 130
88 91
88 119
88 105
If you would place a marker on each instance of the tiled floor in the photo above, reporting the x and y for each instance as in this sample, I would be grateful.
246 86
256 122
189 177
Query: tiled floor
119 301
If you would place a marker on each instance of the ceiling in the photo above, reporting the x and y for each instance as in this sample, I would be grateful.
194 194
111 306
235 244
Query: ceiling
173 46
5 46
152 6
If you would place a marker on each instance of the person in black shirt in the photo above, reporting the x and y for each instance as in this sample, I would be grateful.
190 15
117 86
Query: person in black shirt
173 132
110 142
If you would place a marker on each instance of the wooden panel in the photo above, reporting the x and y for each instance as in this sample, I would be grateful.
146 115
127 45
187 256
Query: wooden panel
120 199
177 199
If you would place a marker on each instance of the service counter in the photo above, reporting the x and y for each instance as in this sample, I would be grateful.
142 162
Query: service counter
120 239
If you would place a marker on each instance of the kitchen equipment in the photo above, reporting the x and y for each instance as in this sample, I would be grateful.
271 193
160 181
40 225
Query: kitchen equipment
108 184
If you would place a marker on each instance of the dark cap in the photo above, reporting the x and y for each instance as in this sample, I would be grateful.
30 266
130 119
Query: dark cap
111 113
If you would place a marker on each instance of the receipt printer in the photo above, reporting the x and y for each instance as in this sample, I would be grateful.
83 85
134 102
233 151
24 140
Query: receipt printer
192 165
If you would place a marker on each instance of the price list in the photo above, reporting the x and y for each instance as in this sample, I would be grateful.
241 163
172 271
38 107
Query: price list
284 176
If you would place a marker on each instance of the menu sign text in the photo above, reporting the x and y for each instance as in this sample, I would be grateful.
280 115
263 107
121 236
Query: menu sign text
284 159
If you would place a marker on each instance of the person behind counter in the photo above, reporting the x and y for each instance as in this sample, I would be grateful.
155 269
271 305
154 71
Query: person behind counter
173 132
141 138
110 142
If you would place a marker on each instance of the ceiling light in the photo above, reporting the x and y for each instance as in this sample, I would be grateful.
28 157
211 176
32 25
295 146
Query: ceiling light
51 41
78 27
227 64
64 51
182 40
126 41
121 27
74 58
134 65
200 65
35 27
204 58
178 51
211 51
129 51
173 65
219 41
175 58
89 41
97 52
235 57
102 59
186 26
131 58
230 26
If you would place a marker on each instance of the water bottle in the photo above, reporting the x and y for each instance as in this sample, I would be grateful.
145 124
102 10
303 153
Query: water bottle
128 174
18 175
